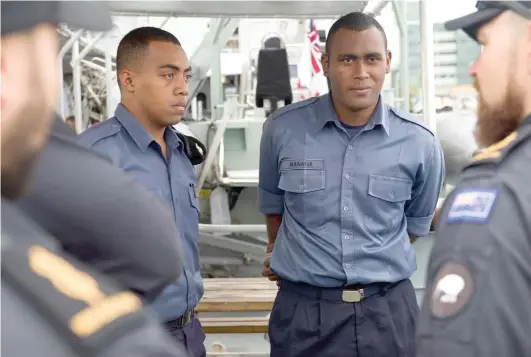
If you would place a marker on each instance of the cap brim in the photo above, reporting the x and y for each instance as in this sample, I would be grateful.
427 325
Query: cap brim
470 23
87 15
24 15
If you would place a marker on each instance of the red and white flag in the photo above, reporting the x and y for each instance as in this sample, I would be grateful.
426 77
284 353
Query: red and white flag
315 58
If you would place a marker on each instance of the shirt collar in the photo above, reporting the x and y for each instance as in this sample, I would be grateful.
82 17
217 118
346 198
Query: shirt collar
328 114
139 134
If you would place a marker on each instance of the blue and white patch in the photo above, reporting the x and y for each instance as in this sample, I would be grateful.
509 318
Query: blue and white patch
472 205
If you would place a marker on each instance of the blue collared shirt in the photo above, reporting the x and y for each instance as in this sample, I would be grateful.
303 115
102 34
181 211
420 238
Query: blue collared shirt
347 204
125 141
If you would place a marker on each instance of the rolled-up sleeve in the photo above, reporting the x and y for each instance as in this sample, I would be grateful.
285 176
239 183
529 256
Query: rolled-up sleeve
426 190
270 197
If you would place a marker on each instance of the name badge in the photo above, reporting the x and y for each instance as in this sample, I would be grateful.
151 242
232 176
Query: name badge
302 165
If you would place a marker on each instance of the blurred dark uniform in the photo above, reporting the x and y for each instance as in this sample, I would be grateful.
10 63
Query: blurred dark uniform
478 294
103 216
477 300
53 306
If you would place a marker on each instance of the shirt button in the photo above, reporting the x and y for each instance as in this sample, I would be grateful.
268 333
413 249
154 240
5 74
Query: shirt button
345 208
347 237
347 176
392 195
350 147
301 187
347 265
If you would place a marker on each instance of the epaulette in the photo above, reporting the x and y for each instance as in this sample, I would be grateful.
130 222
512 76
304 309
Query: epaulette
495 153
291 107
103 130
88 313
410 118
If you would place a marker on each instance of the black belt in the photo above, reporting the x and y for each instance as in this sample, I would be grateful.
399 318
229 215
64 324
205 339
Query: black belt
180 322
351 294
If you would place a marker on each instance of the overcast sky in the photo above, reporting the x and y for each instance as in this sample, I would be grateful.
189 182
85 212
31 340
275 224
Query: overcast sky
444 10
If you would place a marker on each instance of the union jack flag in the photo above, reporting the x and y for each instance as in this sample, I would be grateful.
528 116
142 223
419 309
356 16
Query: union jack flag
313 36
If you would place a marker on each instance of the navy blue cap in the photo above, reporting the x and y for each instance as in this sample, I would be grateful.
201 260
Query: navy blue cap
487 11
20 16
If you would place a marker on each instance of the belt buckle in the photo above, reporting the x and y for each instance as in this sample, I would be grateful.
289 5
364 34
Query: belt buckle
352 295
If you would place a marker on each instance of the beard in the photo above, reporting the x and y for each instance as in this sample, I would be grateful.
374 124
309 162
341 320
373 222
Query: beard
496 122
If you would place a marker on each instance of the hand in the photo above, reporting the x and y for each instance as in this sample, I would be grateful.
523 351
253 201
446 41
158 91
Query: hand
267 272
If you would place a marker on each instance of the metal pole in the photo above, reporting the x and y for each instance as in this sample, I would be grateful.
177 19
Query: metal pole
93 65
216 88
400 10
82 40
165 21
76 82
60 58
428 64
378 7
109 84
90 46
76 74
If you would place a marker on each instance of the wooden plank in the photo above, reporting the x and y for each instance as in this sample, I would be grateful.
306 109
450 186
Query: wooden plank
234 306
240 286
256 279
240 282
238 294
235 324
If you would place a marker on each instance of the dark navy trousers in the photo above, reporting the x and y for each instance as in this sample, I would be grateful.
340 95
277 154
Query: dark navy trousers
305 324
192 337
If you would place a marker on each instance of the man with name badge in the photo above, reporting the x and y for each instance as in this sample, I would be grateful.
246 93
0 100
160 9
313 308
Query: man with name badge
346 183
477 298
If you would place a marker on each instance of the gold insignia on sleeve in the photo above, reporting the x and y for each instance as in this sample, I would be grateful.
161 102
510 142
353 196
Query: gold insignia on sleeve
493 151
78 285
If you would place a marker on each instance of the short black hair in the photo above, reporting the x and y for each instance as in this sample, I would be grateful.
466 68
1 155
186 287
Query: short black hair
133 45
356 21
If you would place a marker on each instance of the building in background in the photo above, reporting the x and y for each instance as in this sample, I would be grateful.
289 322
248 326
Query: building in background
454 53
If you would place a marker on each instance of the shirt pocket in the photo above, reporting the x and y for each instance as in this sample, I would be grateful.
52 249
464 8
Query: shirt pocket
385 207
303 194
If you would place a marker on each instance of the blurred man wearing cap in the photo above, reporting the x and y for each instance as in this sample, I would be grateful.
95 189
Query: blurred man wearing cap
477 300
52 305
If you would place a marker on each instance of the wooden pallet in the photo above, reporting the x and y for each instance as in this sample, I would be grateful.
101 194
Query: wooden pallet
237 295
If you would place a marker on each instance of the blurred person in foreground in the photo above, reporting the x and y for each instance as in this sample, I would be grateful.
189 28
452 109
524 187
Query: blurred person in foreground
72 310
479 274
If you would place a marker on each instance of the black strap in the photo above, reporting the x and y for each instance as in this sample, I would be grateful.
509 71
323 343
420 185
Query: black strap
193 148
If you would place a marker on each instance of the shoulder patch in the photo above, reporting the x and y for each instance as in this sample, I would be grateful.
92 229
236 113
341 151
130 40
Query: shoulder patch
473 205
452 289
410 118
100 131
291 107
